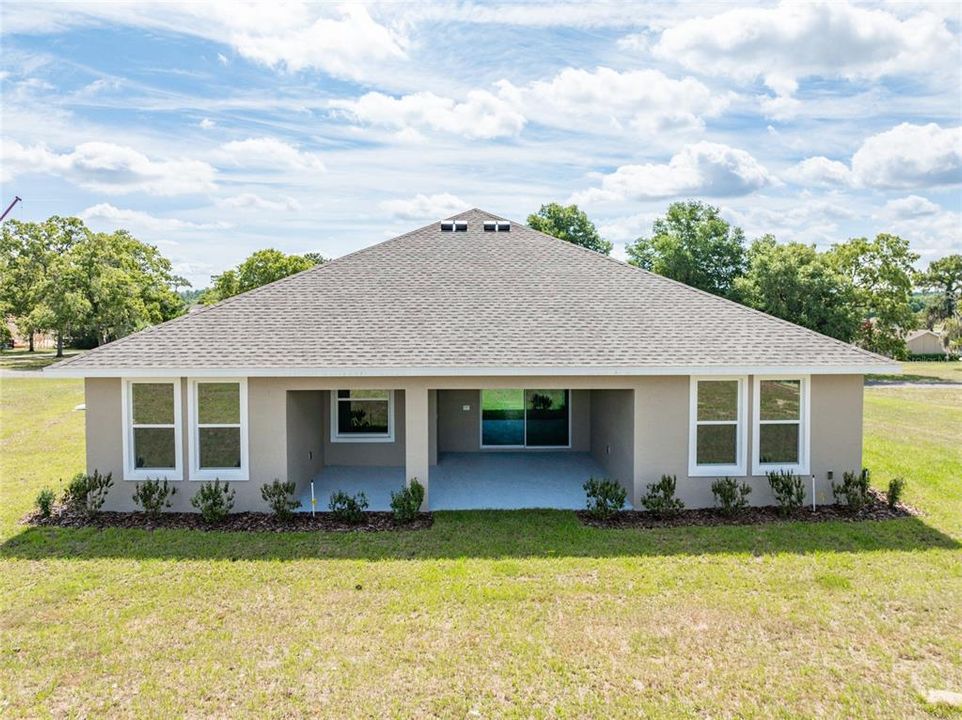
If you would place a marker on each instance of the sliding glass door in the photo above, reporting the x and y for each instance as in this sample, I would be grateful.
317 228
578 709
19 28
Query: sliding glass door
525 418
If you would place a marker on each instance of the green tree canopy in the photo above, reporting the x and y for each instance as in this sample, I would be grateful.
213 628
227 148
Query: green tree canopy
694 245
881 272
944 276
795 283
261 268
569 223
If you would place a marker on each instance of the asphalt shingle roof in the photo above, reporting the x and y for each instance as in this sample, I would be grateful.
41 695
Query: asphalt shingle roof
448 300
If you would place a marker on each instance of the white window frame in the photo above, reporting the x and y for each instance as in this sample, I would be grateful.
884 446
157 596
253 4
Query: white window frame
739 468
136 474
240 474
338 437
524 443
802 467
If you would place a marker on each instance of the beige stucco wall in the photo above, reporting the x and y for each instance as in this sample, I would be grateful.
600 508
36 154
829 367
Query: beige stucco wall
612 430
305 446
927 344
659 408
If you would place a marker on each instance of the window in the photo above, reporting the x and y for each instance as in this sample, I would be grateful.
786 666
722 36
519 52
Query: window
525 418
362 416
780 439
717 434
218 429
152 440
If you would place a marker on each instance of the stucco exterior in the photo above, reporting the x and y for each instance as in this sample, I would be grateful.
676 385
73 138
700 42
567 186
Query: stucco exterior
925 343
637 428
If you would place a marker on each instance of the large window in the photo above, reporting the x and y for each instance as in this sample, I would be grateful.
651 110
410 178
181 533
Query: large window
152 439
362 416
780 439
717 433
218 414
525 418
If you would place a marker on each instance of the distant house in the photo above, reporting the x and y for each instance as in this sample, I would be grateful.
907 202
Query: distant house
925 342
499 366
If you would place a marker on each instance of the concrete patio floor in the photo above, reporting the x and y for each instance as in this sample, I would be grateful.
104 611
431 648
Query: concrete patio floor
472 481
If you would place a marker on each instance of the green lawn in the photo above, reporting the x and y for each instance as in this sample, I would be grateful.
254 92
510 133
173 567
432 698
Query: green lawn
525 614
25 360
923 373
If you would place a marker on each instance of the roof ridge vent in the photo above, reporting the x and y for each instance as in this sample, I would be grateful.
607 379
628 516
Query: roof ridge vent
496 226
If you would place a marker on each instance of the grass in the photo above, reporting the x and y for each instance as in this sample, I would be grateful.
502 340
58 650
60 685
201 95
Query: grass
922 372
501 614
26 360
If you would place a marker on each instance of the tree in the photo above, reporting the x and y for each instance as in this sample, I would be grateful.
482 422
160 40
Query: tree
694 245
795 283
571 224
261 268
881 272
28 250
945 277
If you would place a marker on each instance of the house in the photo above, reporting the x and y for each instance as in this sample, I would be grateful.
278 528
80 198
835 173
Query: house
499 366
924 342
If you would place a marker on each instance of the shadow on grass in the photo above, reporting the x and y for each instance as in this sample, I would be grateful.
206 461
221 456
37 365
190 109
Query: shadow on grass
480 534
909 379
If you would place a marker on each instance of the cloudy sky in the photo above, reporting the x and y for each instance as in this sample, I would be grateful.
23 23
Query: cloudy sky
212 130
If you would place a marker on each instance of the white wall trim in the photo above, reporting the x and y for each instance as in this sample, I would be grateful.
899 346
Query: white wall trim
337 437
241 474
739 469
473 371
135 474
802 467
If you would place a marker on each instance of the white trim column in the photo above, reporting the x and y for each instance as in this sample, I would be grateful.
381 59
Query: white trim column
417 454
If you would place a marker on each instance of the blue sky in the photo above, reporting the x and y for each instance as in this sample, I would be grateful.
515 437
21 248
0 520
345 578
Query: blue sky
215 129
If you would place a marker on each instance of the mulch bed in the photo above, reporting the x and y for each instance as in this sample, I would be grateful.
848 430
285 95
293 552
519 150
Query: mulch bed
876 509
236 522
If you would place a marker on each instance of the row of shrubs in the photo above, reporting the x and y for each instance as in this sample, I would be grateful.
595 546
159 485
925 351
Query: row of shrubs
214 500
606 497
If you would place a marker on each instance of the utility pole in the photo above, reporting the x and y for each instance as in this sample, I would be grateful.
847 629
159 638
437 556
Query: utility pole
16 199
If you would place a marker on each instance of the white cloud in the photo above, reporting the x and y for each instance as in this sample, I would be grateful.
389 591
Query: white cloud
791 41
222 59
138 220
425 206
268 153
251 201
629 227
709 169
108 168
911 206
342 40
820 171
816 221
481 115
910 156
643 100
206 123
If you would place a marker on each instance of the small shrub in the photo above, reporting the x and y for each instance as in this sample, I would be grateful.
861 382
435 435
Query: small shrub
214 501
894 494
44 502
605 497
789 490
152 496
660 498
280 497
730 495
407 502
348 508
853 491
87 493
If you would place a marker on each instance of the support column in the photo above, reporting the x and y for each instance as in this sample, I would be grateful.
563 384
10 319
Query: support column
417 437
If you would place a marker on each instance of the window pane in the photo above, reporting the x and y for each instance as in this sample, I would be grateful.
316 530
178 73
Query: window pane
547 417
502 417
220 447
154 448
717 445
718 400
780 399
778 443
362 417
153 403
363 394
218 403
